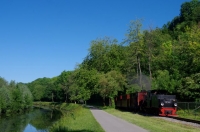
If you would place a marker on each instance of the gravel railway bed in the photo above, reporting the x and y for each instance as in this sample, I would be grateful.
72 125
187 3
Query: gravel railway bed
185 121
177 119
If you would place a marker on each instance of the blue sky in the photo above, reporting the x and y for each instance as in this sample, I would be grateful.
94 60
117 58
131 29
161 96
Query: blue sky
42 38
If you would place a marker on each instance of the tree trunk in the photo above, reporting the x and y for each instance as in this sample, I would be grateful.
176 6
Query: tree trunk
65 98
137 70
51 114
150 74
140 71
104 101
110 102
52 97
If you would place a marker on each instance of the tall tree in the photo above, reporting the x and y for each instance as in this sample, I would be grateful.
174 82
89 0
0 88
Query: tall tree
3 82
149 46
136 43
84 84
102 55
64 81
190 11
110 84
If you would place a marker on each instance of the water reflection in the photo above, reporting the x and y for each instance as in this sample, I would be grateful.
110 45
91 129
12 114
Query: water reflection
30 128
36 120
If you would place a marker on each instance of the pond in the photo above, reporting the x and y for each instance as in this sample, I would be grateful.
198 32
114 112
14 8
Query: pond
36 120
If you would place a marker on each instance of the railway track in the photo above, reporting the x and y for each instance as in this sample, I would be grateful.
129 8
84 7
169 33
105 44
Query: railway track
185 119
190 122
174 117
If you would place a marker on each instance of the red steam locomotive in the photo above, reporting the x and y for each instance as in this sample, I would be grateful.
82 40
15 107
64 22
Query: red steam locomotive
157 102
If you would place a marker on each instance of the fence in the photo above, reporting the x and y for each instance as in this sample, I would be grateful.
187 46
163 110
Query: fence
189 109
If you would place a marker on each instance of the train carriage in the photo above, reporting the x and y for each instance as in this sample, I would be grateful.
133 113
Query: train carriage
153 101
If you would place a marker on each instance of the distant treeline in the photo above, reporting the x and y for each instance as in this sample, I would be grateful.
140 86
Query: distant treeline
14 97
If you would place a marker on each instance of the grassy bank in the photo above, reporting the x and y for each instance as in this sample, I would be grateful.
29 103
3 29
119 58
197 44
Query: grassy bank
79 121
195 115
76 118
59 106
152 124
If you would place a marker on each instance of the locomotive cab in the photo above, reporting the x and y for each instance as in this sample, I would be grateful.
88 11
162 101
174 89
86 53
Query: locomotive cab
163 102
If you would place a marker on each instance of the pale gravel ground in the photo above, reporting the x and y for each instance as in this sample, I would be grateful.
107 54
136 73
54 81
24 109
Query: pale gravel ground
111 123
178 121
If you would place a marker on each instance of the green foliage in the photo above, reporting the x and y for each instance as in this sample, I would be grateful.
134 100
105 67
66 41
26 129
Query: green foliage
84 84
190 87
164 81
135 43
105 55
38 92
27 97
44 89
110 84
3 82
64 81
134 31
14 97
5 99
190 11
133 88
189 16
17 100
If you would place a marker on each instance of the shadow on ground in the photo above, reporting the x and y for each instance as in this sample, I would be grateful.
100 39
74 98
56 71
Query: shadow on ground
92 107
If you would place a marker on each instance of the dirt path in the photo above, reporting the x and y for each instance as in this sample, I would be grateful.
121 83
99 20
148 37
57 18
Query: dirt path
111 123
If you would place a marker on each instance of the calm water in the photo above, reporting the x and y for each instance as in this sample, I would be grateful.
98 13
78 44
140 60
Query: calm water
36 120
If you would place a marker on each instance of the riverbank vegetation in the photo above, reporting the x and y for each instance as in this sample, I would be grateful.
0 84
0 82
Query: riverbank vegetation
80 119
58 106
14 97
154 124
75 117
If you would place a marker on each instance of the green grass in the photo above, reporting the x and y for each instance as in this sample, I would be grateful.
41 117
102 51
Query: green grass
190 114
152 124
76 118
80 120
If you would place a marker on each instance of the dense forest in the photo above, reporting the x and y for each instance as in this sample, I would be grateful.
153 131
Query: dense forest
156 58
